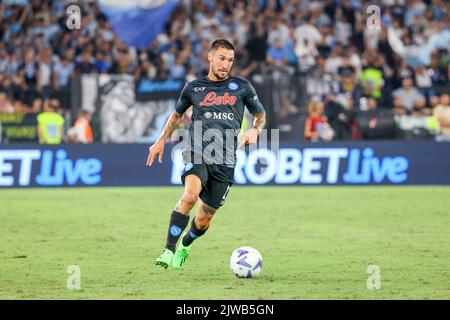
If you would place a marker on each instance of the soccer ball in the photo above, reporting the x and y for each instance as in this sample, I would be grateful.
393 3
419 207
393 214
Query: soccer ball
246 262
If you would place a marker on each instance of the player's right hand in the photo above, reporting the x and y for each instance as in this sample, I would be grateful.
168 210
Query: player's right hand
156 149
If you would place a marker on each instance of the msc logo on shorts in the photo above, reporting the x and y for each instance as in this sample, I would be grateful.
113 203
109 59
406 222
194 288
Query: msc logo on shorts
233 86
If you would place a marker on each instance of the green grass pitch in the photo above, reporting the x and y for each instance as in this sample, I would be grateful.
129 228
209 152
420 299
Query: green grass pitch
316 242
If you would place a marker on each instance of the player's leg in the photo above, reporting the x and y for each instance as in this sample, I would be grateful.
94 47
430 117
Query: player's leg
180 217
212 198
199 225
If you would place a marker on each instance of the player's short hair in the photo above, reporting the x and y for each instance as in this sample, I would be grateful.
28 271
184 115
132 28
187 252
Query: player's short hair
222 43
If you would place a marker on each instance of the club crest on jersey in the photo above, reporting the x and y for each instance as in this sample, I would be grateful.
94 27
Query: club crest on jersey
213 99
233 86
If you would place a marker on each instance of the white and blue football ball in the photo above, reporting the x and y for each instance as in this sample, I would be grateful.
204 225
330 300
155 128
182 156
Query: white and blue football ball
246 262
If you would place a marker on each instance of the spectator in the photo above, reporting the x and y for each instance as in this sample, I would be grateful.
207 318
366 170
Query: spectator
343 28
28 70
407 99
438 74
6 86
307 36
345 70
442 115
10 65
424 82
341 116
178 70
45 72
316 125
50 127
123 63
145 69
373 76
37 105
320 82
102 62
306 56
85 63
62 71
334 60
434 102
278 56
257 44
278 31
5 105
29 77
81 132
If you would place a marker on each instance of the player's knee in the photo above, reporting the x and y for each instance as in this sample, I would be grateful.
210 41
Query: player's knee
189 198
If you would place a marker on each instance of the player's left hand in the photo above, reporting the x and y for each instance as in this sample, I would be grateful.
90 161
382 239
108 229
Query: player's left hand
250 136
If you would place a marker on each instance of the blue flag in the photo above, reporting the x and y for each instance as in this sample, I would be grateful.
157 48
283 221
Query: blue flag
137 22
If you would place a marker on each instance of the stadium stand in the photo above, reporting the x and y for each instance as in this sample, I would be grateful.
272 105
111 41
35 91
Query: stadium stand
381 83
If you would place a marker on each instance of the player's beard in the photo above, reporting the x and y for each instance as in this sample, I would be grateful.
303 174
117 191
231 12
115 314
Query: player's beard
218 76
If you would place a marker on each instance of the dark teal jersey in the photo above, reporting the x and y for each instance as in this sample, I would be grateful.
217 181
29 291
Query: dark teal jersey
217 105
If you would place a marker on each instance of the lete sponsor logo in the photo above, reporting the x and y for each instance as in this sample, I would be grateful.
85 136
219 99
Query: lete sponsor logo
213 99
55 168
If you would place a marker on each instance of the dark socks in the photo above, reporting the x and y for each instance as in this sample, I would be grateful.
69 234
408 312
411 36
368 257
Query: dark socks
193 234
178 223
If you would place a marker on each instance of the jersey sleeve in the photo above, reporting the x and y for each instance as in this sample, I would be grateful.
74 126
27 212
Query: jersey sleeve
185 100
251 100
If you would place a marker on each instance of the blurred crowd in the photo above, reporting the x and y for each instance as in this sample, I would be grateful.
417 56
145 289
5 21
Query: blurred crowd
401 65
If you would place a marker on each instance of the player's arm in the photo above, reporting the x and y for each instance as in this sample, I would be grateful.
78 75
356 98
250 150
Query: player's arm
157 149
255 107
250 135
260 121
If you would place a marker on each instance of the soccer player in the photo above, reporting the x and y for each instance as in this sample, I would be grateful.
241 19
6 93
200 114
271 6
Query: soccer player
218 102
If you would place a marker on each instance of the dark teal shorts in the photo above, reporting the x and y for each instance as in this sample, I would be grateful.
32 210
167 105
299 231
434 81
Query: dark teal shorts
216 182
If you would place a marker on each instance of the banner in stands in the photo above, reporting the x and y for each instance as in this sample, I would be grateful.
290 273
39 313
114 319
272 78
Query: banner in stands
351 163
18 128
138 23
148 89
130 113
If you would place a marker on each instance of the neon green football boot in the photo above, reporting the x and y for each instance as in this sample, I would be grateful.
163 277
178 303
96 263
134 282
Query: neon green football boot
165 259
180 255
